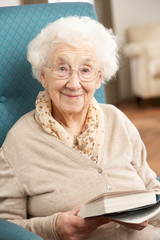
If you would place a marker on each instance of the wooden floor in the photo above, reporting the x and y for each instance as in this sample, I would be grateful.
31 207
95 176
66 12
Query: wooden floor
147 121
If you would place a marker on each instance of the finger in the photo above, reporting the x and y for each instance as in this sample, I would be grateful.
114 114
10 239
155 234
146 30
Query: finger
144 224
106 220
96 221
138 227
75 211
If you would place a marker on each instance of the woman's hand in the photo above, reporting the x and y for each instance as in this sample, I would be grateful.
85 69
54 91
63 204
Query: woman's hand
71 227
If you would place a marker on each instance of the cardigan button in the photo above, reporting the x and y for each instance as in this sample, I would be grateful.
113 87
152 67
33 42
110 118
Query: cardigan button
100 170
109 187
118 226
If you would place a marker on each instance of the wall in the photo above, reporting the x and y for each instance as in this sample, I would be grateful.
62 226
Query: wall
34 1
124 14
89 1
103 10
6 3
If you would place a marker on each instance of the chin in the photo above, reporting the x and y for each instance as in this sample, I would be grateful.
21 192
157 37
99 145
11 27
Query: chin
73 109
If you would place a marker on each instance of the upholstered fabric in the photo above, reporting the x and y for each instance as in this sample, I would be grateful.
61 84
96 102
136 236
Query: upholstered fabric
18 26
11 231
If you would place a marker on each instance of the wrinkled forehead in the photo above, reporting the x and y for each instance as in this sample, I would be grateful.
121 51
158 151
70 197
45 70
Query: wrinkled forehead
66 52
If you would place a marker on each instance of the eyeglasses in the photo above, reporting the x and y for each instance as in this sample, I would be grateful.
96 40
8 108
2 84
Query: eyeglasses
64 71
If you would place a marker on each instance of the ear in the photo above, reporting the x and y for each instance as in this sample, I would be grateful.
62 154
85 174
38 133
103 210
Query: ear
43 80
99 81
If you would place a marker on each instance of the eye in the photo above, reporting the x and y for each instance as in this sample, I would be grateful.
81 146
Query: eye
63 68
85 70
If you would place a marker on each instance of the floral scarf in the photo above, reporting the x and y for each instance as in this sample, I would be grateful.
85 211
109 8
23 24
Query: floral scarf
91 137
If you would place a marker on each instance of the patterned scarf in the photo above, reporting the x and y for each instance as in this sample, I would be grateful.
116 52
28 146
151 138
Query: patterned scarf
91 137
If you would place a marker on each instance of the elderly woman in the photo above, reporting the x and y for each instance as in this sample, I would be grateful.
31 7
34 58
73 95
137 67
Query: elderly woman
70 148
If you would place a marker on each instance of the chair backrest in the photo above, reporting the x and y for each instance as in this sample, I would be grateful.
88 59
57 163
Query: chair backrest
18 26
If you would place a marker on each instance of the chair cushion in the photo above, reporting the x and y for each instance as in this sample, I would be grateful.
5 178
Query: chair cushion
18 26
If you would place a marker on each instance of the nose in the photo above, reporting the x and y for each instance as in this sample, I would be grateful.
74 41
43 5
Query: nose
73 81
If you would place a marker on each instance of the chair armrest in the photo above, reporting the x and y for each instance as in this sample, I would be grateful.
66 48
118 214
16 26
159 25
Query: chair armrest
133 50
12 231
154 68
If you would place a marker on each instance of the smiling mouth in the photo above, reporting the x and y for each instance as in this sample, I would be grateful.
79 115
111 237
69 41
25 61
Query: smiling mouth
72 96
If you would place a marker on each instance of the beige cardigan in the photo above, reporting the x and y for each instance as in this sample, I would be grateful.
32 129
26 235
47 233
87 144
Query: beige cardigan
41 176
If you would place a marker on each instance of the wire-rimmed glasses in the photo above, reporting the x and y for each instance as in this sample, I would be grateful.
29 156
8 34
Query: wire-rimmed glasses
85 73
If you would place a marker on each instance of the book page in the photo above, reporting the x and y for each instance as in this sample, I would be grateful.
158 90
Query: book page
137 216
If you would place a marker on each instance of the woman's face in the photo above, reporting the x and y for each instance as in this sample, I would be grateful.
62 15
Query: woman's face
71 95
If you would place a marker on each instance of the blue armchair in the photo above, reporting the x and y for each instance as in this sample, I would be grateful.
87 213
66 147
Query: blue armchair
11 231
18 90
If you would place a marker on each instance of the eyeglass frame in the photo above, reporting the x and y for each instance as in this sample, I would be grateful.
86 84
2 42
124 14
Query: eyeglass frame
71 72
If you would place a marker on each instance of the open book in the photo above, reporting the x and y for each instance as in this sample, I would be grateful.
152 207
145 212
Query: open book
129 206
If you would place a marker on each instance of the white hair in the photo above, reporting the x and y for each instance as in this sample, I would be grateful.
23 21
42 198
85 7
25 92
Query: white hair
74 30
